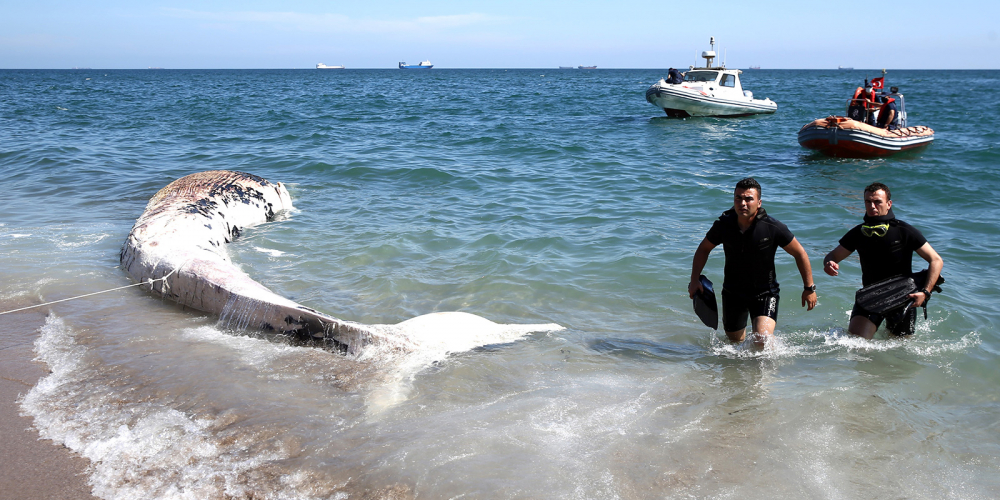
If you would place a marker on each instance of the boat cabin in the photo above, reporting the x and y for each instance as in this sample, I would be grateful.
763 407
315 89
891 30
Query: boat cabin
719 81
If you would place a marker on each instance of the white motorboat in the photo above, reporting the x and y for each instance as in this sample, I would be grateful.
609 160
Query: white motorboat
708 91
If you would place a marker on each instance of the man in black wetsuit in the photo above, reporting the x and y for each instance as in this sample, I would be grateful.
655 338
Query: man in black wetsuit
750 239
885 246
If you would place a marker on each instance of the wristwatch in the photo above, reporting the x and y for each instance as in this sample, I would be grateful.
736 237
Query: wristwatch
927 293
810 288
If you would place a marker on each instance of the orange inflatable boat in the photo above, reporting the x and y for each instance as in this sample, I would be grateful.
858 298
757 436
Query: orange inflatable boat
851 136
843 137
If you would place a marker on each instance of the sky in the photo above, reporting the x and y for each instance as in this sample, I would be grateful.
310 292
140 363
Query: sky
113 34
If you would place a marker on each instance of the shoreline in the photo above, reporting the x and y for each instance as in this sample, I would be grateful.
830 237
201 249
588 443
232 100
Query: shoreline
33 468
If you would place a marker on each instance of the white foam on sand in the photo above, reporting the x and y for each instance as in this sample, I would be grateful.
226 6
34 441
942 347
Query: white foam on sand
141 447
137 449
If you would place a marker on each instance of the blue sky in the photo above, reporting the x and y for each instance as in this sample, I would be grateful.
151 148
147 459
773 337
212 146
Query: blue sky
505 34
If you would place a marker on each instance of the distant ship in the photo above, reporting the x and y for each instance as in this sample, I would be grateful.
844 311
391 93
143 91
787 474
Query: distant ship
423 65
565 67
845 68
754 67
323 66
586 67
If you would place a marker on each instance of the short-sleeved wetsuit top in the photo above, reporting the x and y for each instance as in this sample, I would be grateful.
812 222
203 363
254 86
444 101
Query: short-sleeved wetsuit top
750 254
885 246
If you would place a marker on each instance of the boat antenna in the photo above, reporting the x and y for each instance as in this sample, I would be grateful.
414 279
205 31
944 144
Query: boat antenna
709 55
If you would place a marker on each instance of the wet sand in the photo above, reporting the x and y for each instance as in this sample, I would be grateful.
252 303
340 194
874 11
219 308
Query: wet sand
30 468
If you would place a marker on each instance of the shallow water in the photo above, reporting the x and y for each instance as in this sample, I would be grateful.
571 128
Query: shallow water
524 196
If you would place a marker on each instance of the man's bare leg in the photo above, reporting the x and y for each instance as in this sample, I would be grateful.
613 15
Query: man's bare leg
862 327
763 330
737 336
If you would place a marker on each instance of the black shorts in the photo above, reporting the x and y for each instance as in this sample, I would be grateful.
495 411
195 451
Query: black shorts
738 307
895 321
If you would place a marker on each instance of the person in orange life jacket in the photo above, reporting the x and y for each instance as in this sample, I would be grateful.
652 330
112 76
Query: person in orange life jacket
675 76
750 239
862 105
868 95
885 246
887 115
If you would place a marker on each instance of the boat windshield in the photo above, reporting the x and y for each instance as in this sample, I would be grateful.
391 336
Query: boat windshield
701 76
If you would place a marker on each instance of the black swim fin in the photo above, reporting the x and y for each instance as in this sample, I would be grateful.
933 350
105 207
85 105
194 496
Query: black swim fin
705 305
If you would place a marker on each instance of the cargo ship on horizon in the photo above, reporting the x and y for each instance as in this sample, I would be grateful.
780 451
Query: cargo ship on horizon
423 65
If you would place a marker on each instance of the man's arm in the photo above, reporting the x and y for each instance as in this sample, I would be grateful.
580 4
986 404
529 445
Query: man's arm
936 263
794 248
888 121
830 262
700 258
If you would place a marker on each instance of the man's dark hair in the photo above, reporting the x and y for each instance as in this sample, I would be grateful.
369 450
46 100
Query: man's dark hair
875 186
751 183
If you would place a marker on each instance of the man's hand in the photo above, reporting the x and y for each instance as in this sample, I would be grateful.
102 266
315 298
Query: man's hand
810 297
832 268
830 262
695 287
918 298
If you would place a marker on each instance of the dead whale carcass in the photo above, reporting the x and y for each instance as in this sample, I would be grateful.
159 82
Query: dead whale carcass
179 239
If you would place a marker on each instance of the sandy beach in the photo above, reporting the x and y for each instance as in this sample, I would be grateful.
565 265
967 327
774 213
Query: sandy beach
32 468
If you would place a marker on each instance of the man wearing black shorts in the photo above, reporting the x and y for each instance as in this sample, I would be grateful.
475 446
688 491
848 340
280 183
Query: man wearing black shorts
885 246
750 239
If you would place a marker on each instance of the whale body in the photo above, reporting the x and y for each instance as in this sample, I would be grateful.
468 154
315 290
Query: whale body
179 243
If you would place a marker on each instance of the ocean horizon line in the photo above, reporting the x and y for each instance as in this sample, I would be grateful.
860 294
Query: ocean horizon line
598 68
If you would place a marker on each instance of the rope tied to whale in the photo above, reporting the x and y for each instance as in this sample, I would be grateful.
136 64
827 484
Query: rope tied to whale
147 282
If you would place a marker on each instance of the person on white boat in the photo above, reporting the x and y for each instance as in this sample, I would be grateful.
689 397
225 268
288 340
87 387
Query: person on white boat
674 76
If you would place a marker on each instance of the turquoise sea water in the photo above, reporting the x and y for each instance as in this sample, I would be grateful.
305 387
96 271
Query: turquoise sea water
524 196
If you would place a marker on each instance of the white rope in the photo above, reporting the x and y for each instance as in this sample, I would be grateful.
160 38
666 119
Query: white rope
148 282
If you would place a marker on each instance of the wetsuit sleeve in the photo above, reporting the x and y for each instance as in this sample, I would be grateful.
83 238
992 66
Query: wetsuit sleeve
914 238
850 240
783 236
717 234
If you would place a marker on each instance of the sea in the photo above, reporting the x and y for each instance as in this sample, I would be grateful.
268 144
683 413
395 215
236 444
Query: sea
522 196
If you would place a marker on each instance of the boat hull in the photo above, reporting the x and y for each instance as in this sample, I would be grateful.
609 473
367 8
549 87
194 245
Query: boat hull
845 138
678 101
